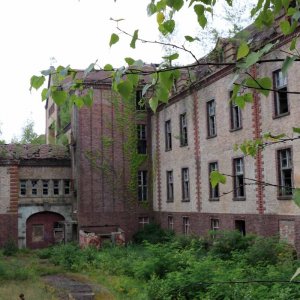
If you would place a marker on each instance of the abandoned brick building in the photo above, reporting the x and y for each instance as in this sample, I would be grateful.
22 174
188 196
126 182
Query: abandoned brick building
127 166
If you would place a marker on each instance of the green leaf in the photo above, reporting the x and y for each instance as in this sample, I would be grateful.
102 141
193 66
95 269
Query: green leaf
287 63
293 44
45 94
114 38
125 89
216 178
78 101
133 78
251 59
108 67
36 82
240 101
296 129
243 50
262 85
296 198
151 9
199 10
130 61
171 57
167 27
162 94
145 89
296 273
190 38
153 103
160 17
176 4
89 69
59 97
134 38
286 3
285 27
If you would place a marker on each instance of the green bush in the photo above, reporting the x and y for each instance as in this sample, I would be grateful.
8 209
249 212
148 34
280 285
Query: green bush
10 248
152 233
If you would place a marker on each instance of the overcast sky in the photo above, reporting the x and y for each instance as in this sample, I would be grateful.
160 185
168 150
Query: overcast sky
73 32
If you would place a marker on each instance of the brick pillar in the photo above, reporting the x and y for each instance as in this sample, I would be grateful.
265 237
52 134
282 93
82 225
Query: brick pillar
14 189
158 161
256 125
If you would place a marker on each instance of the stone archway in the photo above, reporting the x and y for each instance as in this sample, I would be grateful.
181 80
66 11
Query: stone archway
42 229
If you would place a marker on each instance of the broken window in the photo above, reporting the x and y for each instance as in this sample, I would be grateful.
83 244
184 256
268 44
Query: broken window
183 130
185 184
142 186
211 119
34 187
170 187
45 187
238 178
235 116
214 225
170 223
213 192
186 225
280 97
285 164
55 187
67 187
168 135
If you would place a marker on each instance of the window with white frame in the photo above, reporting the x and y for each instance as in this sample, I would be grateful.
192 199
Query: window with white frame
45 187
67 187
170 223
214 225
55 187
211 118
238 178
168 135
285 172
183 130
141 139
170 187
34 187
142 186
280 96
185 184
185 225
143 221
23 188
213 191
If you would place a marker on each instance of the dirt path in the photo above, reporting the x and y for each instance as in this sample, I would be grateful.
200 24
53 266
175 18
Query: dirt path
73 289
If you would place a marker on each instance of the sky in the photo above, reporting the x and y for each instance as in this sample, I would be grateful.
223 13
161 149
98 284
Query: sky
37 33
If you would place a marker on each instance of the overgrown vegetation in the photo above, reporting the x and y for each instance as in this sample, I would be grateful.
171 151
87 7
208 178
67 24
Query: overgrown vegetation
228 266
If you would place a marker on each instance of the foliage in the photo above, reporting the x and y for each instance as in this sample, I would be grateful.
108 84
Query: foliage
152 233
10 248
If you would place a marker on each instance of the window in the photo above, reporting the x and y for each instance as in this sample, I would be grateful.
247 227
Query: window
67 187
168 135
213 192
37 233
285 181
186 225
45 187
238 178
185 184
183 130
170 187
240 225
139 102
211 118
34 186
214 225
141 139
170 223
55 187
280 97
143 221
235 116
23 187
142 185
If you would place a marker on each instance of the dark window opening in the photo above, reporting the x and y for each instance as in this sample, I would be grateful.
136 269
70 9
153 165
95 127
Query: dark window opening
238 178
183 130
186 225
285 173
185 184
235 116
168 135
240 225
23 187
45 187
280 97
55 187
211 118
213 192
170 223
142 186
170 186
34 185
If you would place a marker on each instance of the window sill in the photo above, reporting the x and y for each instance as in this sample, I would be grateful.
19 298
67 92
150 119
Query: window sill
239 199
167 150
184 145
235 129
211 136
170 201
281 115
287 197
185 200
213 199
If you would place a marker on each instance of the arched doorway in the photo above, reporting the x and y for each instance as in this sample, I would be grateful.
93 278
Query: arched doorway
44 229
